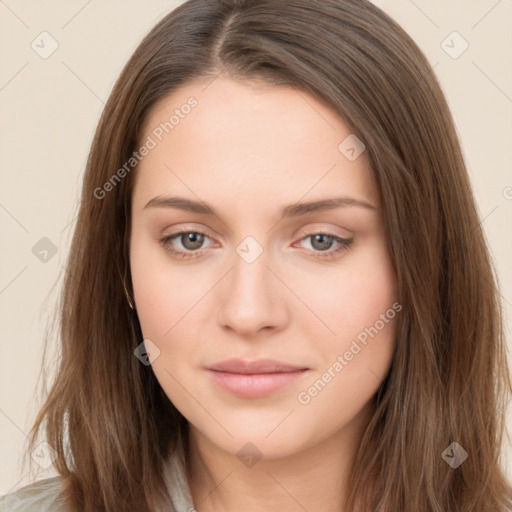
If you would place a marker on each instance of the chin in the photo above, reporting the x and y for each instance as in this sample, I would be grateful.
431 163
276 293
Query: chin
256 441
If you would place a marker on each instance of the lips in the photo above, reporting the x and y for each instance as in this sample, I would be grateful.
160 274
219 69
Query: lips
255 379
258 366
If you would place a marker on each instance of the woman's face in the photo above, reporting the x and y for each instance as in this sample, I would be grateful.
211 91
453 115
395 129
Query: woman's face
268 268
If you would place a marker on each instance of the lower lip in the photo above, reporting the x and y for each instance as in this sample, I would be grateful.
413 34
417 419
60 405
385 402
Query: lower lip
254 385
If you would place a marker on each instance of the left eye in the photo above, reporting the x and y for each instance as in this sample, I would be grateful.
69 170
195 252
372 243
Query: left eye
325 242
192 241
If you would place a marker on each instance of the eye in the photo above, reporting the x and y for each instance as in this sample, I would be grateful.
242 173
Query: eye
324 242
191 242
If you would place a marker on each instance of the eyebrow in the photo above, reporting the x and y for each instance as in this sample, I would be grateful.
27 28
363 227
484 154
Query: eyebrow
292 210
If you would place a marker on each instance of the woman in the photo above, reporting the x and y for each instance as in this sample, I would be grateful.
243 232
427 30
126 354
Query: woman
278 295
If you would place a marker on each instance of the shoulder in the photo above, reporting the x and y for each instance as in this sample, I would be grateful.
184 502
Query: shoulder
41 496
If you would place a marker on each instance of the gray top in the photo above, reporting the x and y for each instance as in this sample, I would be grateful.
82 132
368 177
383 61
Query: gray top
45 495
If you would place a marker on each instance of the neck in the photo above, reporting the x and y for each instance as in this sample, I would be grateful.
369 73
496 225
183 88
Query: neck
312 478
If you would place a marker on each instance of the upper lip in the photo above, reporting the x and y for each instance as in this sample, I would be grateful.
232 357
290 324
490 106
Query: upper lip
253 367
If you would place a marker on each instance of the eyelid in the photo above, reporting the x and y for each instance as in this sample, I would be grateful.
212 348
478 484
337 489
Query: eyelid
343 244
313 229
316 228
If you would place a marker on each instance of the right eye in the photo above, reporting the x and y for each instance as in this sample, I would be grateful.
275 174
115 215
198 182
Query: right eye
190 244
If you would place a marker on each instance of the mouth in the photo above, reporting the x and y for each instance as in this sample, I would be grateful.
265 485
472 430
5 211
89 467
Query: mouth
257 366
254 379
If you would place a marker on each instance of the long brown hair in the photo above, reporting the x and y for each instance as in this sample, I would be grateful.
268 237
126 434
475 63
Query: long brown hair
106 415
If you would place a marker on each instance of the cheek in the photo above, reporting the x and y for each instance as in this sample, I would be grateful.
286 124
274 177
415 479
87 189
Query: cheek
358 302
350 296
165 293
355 360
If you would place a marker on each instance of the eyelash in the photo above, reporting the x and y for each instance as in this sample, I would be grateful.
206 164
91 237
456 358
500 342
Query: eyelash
330 254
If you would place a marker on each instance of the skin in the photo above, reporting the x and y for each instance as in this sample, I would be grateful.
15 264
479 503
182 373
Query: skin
248 149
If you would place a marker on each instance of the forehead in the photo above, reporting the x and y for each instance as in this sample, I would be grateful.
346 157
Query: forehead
250 141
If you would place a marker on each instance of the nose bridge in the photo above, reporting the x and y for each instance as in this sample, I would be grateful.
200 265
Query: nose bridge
250 272
250 298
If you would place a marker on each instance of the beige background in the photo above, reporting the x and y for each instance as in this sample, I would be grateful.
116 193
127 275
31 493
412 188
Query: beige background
50 107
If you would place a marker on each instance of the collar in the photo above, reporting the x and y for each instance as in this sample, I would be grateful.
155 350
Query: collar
176 482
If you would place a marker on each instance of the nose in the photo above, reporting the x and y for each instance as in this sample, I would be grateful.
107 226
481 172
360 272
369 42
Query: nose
252 298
